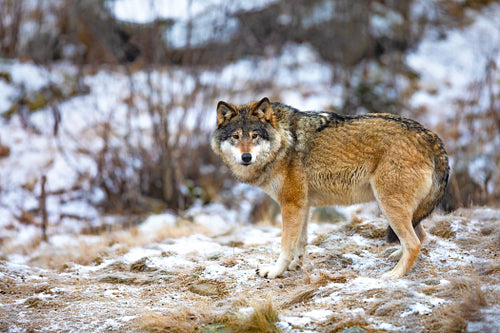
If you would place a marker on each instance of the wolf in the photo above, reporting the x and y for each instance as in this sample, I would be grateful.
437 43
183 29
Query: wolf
303 159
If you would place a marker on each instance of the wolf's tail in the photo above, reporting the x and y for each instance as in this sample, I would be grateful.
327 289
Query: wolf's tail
439 182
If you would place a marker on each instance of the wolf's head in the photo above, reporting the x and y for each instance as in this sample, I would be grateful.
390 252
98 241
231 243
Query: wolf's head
246 135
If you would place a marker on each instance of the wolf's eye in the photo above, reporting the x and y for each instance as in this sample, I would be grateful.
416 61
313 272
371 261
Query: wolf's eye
255 136
236 136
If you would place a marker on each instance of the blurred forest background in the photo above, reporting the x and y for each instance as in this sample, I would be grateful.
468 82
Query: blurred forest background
107 106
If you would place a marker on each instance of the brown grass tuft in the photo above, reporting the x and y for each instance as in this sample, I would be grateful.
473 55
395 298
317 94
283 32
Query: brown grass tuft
342 323
453 318
442 228
363 228
262 320
320 239
229 261
180 320
325 278
118 279
141 265
300 296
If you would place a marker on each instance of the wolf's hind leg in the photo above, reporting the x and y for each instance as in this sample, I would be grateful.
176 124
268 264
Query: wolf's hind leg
421 234
398 209
399 187
410 248
399 216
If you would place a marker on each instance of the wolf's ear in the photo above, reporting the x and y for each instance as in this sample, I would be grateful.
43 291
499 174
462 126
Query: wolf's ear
264 111
225 112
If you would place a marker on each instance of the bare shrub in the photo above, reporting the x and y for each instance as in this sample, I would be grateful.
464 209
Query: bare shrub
11 17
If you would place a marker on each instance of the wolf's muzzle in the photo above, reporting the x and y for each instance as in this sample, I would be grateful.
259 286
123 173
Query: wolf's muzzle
246 158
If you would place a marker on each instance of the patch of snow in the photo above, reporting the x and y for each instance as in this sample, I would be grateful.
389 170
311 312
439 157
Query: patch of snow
449 66
195 22
7 94
140 12
387 327
156 222
417 308
27 75
138 253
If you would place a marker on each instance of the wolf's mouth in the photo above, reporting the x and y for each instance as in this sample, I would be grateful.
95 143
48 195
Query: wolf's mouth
246 163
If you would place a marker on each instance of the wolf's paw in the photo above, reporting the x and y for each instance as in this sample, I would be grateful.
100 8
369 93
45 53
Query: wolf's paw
295 264
394 274
270 272
396 255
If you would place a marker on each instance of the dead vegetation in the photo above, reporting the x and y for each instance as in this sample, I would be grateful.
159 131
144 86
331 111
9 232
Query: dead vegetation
356 324
454 317
219 292
262 318
364 228
443 229
186 320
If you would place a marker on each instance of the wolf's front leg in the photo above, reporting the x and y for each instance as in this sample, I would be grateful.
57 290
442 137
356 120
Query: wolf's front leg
293 240
300 249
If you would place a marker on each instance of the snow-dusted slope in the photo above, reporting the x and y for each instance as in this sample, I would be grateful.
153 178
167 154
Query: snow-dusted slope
115 282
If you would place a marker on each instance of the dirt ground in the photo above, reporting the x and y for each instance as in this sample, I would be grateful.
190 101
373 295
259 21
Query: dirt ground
197 281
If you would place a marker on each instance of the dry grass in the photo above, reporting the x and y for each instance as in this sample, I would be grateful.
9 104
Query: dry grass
118 279
453 318
262 319
182 320
230 261
109 244
191 299
141 265
361 227
320 239
300 297
326 277
442 228
340 323
304 294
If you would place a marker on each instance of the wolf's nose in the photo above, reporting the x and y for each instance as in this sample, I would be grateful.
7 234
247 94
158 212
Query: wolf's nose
246 157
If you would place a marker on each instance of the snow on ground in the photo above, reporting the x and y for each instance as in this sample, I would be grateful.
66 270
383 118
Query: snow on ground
113 282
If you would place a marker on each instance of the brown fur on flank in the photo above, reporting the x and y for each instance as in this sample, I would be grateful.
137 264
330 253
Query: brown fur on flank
304 159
